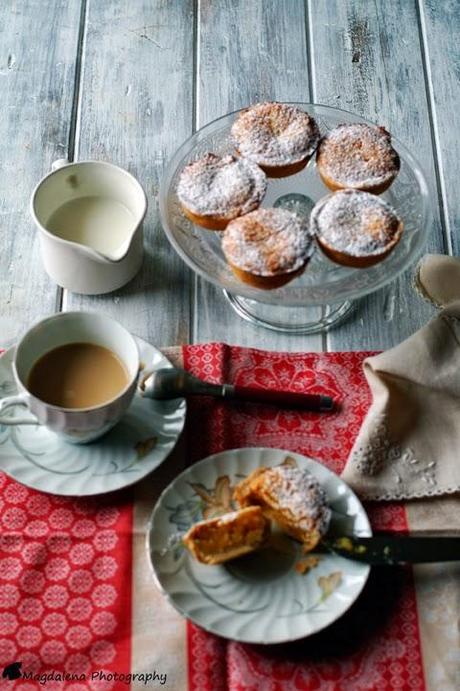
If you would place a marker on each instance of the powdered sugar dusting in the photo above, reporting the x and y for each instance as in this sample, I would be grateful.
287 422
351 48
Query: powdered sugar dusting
358 155
275 134
357 223
267 242
299 492
222 186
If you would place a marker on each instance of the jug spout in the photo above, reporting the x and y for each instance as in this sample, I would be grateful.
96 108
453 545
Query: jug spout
116 255
89 216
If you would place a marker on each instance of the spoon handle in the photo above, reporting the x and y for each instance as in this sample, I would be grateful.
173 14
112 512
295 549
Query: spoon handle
289 399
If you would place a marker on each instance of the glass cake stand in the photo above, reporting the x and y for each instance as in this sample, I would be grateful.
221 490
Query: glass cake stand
325 292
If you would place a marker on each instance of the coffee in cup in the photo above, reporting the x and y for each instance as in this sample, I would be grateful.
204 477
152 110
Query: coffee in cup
77 373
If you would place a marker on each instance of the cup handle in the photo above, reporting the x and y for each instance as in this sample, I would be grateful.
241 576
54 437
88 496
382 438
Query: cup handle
59 163
9 402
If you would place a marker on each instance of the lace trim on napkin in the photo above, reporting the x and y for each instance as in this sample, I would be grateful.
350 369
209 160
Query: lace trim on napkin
399 465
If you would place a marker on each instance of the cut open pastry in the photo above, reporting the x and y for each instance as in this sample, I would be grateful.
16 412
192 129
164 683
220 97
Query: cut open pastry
217 540
290 496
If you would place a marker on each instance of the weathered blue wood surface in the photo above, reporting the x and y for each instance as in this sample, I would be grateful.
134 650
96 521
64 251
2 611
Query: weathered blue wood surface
128 81
38 52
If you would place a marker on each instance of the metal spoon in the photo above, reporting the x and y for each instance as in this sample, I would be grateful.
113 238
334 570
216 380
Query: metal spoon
172 382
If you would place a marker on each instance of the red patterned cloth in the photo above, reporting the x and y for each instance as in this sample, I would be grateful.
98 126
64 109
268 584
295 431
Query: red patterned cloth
65 589
376 645
67 601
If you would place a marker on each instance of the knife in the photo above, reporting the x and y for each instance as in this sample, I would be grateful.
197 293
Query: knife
388 549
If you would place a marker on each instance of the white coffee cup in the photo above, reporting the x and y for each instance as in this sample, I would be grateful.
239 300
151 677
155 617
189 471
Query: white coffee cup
79 267
76 425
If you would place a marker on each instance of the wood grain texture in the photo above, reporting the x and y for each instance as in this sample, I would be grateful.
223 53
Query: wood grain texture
38 49
247 52
395 62
440 27
367 58
135 109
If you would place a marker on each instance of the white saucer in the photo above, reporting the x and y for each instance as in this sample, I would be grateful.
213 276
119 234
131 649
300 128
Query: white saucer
260 598
138 444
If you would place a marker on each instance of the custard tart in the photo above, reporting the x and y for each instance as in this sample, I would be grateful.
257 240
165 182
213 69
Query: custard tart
267 248
216 189
355 228
357 156
229 536
291 497
279 137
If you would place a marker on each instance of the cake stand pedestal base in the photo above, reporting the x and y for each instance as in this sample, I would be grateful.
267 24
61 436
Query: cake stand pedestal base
293 320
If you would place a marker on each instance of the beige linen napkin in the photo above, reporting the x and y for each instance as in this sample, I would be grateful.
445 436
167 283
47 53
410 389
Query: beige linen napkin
409 444
438 279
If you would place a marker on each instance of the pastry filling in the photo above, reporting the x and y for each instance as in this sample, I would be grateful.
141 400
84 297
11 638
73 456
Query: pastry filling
245 529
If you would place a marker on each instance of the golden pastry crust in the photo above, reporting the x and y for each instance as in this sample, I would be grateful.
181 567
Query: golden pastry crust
355 228
357 156
279 137
290 496
268 247
226 537
216 189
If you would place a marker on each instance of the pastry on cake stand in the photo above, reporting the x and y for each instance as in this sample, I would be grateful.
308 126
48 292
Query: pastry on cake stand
325 292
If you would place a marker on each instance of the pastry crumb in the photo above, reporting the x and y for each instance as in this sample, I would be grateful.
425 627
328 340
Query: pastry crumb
306 564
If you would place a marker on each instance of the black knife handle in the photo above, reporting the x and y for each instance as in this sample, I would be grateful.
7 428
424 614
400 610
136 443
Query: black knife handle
389 549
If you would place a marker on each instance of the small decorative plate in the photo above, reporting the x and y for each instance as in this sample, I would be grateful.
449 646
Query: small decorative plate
274 595
142 440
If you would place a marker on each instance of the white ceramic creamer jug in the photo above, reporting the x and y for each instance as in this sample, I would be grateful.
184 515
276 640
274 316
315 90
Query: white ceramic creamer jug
89 216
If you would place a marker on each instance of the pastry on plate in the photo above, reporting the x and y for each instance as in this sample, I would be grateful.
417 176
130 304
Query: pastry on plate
216 189
231 535
279 137
267 248
355 228
290 496
357 156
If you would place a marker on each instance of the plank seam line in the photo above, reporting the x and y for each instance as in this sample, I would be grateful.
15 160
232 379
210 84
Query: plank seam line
434 129
312 98
195 66
309 47
74 129
193 298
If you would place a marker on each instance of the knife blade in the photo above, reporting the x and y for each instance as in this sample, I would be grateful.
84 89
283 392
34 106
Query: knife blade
385 549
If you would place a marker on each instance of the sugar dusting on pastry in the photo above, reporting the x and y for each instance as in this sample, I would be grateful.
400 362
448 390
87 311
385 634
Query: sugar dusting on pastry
291 497
300 493
358 155
267 242
355 222
221 185
275 134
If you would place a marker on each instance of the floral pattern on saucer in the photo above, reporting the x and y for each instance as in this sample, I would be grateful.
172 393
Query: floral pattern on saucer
142 440
271 600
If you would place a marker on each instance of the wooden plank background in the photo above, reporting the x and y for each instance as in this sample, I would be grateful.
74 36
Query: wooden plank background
129 81
135 108
365 60
38 53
